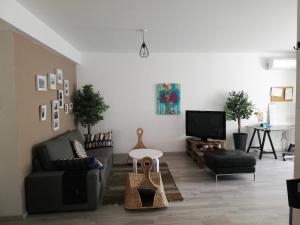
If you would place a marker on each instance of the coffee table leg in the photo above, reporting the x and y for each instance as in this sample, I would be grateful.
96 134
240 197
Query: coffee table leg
135 165
157 164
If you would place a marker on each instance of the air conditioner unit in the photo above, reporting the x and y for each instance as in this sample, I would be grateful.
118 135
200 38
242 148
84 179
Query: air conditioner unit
281 64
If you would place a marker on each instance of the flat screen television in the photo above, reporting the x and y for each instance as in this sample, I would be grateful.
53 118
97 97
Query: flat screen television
206 124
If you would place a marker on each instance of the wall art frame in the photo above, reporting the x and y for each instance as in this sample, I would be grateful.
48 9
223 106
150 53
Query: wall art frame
41 82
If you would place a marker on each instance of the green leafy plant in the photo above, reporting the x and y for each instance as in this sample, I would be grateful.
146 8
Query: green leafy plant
88 107
238 106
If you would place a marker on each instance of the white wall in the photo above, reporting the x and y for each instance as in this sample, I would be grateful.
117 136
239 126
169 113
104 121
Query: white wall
128 85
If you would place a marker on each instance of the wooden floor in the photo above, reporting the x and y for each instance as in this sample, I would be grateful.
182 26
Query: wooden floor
235 200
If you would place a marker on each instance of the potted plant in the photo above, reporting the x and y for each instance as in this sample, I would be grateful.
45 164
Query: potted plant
238 107
88 107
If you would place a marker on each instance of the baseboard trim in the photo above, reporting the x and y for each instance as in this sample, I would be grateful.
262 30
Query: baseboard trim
174 153
12 218
25 215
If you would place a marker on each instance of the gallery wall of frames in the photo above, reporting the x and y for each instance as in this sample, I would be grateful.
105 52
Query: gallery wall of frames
54 82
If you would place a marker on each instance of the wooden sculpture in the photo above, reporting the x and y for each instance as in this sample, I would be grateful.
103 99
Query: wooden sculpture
145 190
140 143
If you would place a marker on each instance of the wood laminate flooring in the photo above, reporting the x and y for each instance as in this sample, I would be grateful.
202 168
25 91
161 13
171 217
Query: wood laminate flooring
234 200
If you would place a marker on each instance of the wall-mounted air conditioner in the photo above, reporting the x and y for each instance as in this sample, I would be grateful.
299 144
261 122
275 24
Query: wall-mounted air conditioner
281 64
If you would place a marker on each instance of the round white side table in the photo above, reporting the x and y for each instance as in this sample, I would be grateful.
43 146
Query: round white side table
138 154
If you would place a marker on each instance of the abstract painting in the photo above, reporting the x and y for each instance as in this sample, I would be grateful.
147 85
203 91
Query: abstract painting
168 99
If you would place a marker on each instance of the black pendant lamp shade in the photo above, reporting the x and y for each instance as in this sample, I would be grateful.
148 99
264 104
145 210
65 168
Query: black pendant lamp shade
144 52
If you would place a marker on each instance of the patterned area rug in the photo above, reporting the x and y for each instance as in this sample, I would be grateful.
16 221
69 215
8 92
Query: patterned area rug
117 180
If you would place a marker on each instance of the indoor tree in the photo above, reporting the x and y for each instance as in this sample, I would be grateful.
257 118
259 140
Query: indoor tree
238 107
89 107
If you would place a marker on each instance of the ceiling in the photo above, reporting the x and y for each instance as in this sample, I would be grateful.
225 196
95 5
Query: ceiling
173 25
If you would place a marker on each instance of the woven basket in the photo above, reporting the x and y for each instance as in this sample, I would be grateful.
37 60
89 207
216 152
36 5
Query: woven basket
147 181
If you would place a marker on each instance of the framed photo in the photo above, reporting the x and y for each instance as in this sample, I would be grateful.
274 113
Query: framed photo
56 106
56 125
55 115
59 75
66 108
52 81
43 112
66 87
41 82
60 97
70 107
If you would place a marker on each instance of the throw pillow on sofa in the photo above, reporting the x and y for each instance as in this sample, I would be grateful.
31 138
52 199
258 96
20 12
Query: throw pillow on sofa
79 149
99 140
78 164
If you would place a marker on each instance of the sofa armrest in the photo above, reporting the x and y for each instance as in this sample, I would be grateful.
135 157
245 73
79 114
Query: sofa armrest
44 192
94 186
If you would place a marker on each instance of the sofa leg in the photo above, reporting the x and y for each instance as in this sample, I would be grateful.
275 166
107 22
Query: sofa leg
254 176
216 178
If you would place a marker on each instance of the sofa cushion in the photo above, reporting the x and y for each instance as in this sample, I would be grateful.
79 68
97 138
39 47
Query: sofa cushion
228 159
54 149
102 154
74 135
59 148
78 164
79 149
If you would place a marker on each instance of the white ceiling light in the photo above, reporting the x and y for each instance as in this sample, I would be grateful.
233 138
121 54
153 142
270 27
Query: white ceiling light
281 64
144 52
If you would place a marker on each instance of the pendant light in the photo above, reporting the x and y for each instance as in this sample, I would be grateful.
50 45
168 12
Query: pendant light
144 52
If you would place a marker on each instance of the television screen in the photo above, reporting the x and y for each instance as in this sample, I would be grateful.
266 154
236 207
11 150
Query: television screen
206 124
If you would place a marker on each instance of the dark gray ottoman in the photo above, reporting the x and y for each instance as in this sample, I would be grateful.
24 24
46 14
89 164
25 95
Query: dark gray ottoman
229 162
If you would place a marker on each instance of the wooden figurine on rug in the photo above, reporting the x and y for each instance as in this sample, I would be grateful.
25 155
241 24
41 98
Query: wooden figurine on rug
145 190
139 144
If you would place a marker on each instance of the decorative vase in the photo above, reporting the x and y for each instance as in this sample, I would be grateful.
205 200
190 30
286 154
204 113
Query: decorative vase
240 141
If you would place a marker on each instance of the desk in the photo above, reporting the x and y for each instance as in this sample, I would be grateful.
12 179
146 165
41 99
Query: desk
266 133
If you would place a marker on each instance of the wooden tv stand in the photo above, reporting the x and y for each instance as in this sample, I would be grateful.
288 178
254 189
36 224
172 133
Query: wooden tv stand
195 148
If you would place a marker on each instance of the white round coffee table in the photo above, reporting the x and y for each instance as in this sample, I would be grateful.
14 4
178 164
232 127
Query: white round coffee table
138 154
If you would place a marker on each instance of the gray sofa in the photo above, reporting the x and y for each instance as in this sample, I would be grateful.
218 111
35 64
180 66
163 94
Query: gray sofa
45 188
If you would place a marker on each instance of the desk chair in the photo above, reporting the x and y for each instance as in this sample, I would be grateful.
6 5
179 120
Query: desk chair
293 189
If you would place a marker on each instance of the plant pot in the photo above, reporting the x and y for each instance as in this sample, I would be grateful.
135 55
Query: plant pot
240 141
